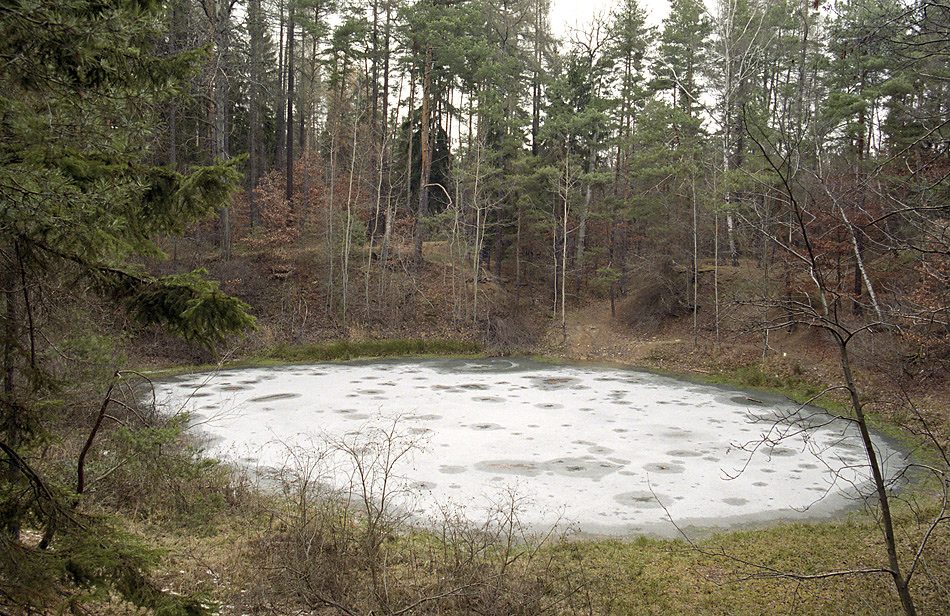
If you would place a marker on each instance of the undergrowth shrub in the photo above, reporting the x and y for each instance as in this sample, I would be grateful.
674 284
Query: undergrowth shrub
159 473
659 292
508 335
352 548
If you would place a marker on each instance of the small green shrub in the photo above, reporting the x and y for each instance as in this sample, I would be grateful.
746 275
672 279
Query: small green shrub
158 472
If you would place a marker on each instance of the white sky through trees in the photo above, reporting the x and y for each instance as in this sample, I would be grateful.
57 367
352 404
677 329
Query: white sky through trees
569 14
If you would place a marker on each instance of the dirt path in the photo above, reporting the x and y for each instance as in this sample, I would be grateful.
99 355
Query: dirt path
592 334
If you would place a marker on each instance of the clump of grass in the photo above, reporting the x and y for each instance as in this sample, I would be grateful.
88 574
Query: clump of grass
799 389
346 349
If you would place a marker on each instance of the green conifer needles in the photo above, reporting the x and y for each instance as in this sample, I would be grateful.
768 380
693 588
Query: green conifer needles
81 89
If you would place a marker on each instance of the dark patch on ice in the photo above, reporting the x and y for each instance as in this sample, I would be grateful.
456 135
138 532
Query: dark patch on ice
451 469
440 387
664 467
586 467
640 498
429 417
686 453
275 397
525 468
676 433
735 501
494 399
487 426
549 383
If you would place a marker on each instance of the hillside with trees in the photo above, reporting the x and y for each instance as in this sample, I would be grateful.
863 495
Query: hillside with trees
756 191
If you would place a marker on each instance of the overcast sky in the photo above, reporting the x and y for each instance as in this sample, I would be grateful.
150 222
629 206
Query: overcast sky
567 14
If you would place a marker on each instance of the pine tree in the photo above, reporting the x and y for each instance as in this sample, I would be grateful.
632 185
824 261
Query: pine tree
79 203
683 53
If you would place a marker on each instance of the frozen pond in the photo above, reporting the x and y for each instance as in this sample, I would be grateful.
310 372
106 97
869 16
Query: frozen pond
614 451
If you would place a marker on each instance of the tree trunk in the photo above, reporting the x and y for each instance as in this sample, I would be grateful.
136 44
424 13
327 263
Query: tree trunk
173 16
290 106
256 33
11 411
426 154
280 104
585 210
880 487
412 109
221 25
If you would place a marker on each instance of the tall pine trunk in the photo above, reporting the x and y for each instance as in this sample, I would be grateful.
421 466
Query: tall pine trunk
289 173
426 154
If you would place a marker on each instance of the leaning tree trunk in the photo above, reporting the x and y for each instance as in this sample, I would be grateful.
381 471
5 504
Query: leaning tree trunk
901 583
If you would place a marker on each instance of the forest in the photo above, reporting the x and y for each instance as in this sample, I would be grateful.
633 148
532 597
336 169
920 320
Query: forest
780 133
753 192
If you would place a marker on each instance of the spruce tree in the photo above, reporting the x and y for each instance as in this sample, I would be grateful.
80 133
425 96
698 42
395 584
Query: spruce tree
82 88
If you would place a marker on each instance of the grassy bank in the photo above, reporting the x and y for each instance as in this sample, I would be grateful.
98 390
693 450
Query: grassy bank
347 349
264 561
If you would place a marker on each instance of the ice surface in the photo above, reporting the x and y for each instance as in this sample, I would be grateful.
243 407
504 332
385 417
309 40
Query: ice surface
614 451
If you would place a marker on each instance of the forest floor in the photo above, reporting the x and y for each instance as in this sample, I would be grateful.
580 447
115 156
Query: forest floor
592 333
